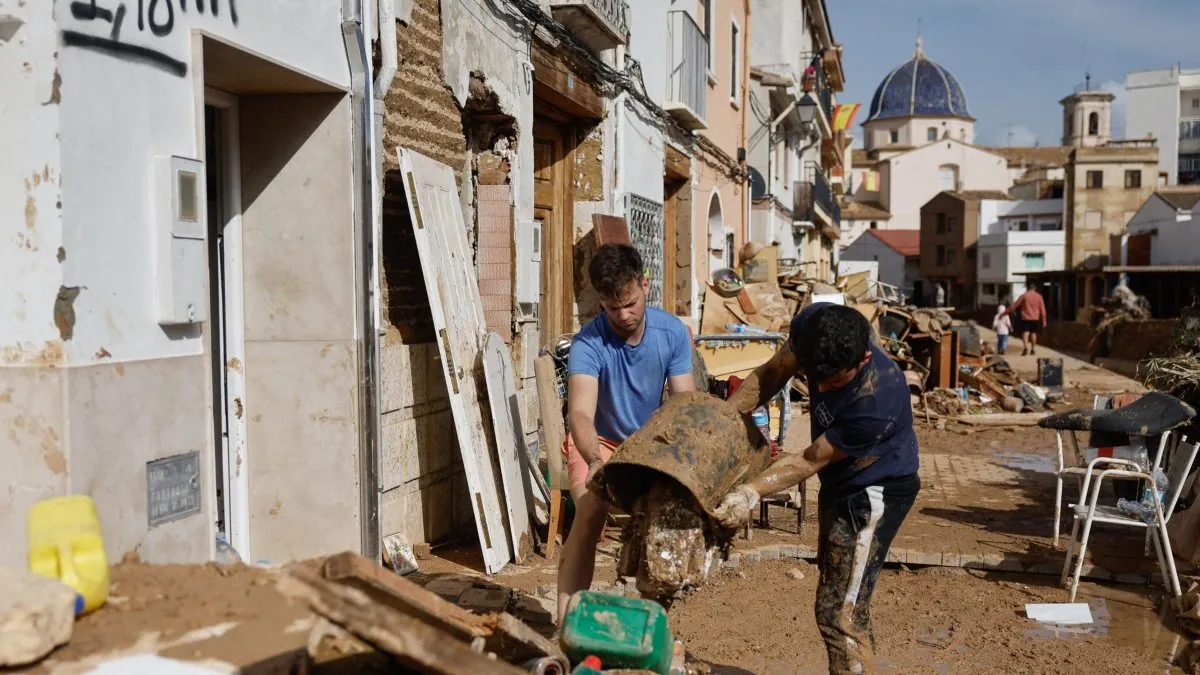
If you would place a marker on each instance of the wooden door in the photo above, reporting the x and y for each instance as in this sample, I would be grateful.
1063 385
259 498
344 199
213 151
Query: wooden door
551 201
671 189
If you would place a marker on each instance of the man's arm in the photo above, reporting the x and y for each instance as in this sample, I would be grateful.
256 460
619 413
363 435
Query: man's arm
766 380
735 509
582 394
679 384
1015 304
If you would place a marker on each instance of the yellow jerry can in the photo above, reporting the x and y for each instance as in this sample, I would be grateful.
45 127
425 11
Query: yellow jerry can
65 543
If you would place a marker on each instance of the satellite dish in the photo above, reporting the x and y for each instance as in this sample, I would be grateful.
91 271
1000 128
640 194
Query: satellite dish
758 186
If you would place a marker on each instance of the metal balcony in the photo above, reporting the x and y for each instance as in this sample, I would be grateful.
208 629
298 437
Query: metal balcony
687 58
600 24
814 200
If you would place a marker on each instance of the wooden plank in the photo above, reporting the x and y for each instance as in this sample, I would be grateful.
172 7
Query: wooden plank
554 431
412 643
611 230
510 443
450 281
503 633
560 85
671 191
676 165
1002 419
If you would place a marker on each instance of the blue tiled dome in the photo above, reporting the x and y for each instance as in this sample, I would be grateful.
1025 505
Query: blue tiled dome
916 88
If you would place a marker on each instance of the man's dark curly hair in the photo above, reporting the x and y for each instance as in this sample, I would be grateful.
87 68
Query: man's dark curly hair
834 339
613 267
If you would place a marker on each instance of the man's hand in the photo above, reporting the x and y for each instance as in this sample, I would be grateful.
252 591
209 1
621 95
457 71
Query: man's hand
737 506
593 467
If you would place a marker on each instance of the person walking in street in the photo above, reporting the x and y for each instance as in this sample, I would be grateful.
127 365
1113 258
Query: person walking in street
939 295
616 370
1003 326
865 455
1031 316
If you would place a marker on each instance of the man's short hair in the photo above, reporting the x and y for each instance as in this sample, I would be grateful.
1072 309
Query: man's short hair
833 339
613 268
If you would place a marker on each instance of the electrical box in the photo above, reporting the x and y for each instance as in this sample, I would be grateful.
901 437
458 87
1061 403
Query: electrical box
529 262
180 227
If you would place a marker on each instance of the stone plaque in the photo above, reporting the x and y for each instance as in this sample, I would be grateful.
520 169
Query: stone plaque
172 488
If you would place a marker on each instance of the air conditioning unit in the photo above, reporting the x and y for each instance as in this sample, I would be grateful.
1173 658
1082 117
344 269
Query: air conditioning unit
529 262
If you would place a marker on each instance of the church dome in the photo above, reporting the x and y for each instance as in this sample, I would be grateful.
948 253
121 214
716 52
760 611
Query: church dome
919 88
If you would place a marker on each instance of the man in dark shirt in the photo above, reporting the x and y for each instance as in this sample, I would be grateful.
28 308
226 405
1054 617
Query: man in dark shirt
865 453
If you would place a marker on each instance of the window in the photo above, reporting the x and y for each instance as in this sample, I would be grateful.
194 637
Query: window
941 223
931 134
1093 220
1093 124
948 174
1133 178
729 250
951 221
1022 226
874 225
941 255
894 136
986 262
735 72
1095 180
1034 260
989 289
1195 103
1068 124
708 29
951 256
1002 290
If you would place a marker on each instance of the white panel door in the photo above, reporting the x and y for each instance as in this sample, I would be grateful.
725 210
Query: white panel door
441 235
510 441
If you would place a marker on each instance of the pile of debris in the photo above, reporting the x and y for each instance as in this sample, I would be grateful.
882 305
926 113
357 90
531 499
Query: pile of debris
1121 306
1179 373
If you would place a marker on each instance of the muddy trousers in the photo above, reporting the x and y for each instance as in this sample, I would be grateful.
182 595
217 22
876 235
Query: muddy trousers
856 531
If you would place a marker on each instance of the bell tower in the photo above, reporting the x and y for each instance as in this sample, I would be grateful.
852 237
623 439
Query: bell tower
1087 118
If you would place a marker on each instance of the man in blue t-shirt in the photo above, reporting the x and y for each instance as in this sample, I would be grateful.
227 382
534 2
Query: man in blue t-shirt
618 365
865 453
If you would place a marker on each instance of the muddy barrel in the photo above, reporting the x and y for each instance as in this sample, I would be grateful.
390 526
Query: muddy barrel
700 441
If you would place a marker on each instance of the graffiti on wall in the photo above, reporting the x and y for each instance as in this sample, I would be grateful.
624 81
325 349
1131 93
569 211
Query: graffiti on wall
101 27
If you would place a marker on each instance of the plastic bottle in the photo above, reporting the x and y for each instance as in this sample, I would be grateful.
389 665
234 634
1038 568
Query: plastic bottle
589 666
744 329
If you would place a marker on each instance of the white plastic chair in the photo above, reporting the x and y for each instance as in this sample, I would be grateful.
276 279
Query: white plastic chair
1090 512
1075 465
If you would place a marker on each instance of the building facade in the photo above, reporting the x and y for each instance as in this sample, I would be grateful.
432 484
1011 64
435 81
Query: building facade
898 253
1162 232
1016 237
794 140
1164 104
949 232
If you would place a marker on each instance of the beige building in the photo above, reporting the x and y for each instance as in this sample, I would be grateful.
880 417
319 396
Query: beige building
1106 181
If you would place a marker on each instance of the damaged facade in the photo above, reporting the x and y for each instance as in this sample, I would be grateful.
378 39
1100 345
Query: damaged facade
221 331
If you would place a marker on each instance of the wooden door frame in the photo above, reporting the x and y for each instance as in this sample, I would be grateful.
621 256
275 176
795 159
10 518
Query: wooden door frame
671 190
558 258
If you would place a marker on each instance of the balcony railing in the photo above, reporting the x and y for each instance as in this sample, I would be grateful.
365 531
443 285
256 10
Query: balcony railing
814 200
600 24
816 82
687 57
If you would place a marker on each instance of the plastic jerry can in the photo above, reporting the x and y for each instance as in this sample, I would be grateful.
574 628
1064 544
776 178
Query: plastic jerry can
623 632
65 543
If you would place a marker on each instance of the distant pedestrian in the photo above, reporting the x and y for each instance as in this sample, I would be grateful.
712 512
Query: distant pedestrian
1032 317
939 295
1003 326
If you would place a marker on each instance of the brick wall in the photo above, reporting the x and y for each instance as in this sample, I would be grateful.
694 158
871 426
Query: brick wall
1131 341
495 257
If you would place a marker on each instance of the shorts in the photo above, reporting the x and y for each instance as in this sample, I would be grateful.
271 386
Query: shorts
1031 325
577 466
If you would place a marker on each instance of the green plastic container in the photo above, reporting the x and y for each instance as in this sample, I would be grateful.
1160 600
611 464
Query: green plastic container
623 632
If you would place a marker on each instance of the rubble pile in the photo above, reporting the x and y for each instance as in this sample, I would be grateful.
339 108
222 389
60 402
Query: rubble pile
1121 306
1178 374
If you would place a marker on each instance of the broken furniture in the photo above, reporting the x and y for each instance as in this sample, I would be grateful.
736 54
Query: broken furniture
554 438
1122 436
419 629
1155 524
725 355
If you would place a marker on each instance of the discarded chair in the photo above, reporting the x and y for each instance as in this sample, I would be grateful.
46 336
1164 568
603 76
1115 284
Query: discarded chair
1090 512
1119 438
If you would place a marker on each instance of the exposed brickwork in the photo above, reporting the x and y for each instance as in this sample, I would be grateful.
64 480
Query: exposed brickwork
589 165
421 114
495 257
683 251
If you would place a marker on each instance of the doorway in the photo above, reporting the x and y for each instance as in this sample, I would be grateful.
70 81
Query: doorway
552 141
226 323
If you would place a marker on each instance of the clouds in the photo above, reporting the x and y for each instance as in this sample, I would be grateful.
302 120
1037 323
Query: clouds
1117 89
1015 135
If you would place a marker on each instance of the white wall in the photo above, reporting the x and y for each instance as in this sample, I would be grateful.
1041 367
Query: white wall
912 179
1001 257
914 131
997 216
891 264
1152 99
1177 238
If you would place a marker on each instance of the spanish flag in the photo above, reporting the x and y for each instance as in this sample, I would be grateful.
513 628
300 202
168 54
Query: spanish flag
843 115
871 181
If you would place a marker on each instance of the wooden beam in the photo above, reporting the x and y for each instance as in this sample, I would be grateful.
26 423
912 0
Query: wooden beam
556 82
676 165
413 644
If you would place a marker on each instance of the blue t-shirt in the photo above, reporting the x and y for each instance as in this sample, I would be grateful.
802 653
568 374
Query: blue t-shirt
869 419
631 376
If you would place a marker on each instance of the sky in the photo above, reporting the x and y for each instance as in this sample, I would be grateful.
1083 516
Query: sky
1016 59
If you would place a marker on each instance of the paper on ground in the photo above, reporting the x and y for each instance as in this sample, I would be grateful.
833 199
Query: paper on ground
152 664
1060 613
